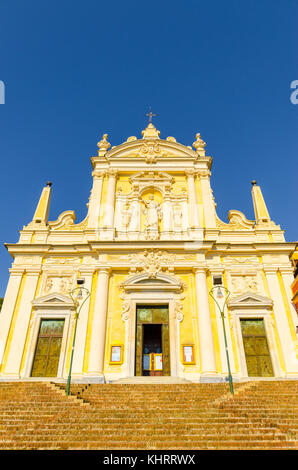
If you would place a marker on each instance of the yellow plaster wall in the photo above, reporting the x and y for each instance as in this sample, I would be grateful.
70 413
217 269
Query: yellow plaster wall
179 184
90 322
214 325
124 183
189 333
286 305
115 332
233 339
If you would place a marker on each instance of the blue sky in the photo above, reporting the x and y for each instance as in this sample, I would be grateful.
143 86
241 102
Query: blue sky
74 70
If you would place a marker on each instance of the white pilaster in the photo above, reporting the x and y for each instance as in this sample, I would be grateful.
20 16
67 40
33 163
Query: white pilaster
94 204
97 346
8 307
110 202
287 344
208 202
208 365
193 207
14 359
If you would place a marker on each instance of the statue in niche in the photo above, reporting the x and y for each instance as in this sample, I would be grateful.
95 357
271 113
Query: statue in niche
177 217
153 214
126 216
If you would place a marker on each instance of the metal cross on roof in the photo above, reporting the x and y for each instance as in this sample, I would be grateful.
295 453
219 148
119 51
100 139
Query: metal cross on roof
150 115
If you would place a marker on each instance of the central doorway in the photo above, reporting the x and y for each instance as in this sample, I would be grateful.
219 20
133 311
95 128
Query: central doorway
152 340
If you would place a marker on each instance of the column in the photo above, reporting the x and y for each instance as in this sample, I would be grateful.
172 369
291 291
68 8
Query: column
208 365
208 202
110 202
19 333
94 203
97 345
192 199
283 328
8 307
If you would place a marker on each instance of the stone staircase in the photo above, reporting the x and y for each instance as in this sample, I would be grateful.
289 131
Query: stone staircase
261 415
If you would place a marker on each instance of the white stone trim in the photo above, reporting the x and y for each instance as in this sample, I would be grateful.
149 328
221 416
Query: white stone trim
54 306
248 306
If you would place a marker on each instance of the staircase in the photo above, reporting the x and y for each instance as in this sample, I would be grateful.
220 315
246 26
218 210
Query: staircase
184 416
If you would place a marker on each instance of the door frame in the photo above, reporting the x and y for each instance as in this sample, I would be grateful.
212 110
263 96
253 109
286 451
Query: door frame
161 333
52 307
246 307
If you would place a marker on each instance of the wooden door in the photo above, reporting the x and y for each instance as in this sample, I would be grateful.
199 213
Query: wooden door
47 353
258 360
152 315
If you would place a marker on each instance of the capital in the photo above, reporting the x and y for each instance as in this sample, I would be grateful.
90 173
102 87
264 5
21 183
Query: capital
112 172
97 174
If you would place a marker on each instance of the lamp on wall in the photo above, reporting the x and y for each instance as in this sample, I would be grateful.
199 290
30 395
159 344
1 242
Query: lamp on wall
78 307
222 292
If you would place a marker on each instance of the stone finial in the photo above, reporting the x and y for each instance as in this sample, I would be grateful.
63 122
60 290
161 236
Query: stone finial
200 145
150 132
103 144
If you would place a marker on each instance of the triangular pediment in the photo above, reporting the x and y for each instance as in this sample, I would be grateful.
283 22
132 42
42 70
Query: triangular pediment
151 281
53 299
250 299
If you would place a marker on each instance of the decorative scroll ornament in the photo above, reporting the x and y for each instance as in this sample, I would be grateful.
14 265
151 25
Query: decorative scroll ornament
103 144
178 309
125 310
150 150
152 261
237 221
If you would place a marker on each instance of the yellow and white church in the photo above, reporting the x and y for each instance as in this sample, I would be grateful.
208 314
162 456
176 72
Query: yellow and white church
149 253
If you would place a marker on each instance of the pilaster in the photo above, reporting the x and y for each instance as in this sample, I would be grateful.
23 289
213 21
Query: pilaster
97 344
8 307
208 364
283 327
208 202
95 199
18 335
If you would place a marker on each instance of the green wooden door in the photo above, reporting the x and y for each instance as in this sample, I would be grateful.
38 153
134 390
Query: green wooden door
47 353
258 360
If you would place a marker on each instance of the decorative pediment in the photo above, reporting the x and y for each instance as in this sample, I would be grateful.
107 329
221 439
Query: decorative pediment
150 150
54 299
149 177
161 282
250 300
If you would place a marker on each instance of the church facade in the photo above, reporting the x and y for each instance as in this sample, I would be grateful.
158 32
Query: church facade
154 268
